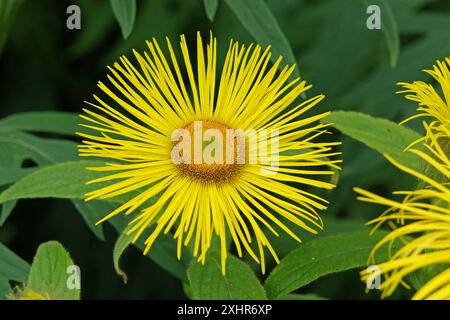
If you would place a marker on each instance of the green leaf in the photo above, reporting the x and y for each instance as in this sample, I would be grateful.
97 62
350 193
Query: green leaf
21 146
389 28
95 26
50 272
92 212
284 243
211 8
43 121
17 146
239 283
125 13
381 135
121 244
8 11
68 181
187 290
11 156
164 254
4 288
6 210
63 180
259 21
163 251
390 31
423 275
10 175
321 257
12 267
296 296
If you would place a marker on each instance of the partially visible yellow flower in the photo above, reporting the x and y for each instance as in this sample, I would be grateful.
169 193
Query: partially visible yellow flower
28 294
421 220
421 224
432 104
133 126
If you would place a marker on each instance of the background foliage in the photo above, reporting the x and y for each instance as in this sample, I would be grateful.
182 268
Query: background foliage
46 67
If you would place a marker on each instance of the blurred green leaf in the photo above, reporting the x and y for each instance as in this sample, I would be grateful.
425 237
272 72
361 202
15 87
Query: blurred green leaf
211 8
381 135
208 283
11 156
422 276
259 21
17 146
321 257
390 31
42 151
389 28
374 92
125 12
423 21
296 296
49 273
10 175
284 243
8 10
163 251
95 29
187 290
159 18
92 212
21 146
122 242
4 288
63 180
10 172
330 42
164 254
43 121
12 267
68 181
6 210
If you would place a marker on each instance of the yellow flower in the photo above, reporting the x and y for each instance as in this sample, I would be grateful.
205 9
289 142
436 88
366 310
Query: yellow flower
431 103
28 294
149 104
421 224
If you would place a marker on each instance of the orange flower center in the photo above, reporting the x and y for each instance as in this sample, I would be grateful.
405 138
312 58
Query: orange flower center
213 153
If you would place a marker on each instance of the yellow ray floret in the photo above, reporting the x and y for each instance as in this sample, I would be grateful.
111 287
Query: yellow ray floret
432 103
132 125
421 225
